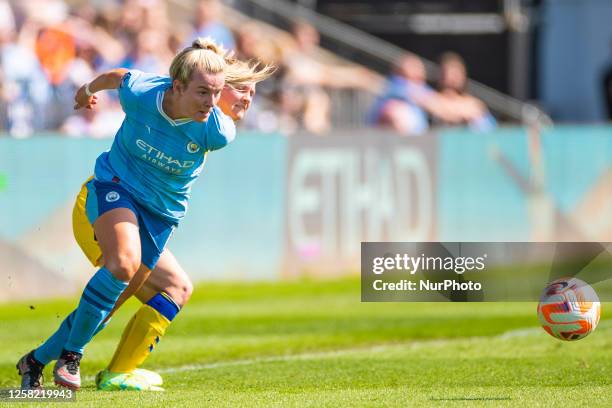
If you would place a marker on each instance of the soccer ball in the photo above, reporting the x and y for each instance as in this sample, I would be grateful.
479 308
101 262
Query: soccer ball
569 309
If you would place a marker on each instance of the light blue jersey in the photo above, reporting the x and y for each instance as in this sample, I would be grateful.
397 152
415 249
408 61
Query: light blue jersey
155 158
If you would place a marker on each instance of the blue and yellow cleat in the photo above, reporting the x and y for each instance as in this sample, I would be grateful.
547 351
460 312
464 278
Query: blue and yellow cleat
134 381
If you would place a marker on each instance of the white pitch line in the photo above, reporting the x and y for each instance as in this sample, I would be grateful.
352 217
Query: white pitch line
286 357
308 355
282 358
523 332
343 352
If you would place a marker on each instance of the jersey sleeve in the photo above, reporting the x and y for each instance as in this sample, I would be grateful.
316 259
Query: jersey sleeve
220 130
129 90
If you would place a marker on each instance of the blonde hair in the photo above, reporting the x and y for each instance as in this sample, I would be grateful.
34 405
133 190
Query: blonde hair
203 54
239 73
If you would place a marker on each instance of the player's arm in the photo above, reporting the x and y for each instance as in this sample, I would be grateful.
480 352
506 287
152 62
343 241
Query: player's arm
220 130
85 98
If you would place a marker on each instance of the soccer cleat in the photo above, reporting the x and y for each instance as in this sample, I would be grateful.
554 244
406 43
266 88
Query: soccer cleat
66 372
109 381
31 372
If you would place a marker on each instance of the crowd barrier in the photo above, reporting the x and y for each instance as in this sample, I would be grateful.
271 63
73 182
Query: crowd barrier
271 207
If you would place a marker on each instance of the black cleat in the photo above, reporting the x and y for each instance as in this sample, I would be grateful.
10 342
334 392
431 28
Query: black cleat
31 372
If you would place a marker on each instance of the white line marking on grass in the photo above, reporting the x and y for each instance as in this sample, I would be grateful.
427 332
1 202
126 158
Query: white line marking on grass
381 348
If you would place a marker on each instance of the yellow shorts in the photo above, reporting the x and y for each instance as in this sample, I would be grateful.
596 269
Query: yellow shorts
83 230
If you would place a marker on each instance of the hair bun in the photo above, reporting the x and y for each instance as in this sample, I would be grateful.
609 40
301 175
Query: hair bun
204 44
211 60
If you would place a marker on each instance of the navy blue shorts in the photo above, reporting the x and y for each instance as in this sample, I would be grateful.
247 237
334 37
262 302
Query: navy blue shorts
95 199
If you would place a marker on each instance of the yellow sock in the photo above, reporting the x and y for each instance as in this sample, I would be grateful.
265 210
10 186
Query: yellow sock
138 340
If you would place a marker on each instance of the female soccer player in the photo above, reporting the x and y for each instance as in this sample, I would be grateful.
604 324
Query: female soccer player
168 279
139 191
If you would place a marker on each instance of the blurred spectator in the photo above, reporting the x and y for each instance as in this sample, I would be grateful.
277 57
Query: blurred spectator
249 44
46 13
103 121
155 15
409 104
24 91
56 49
208 24
130 20
149 53
136 16
402 105
95 38
307 65
306 77
7 18
465 109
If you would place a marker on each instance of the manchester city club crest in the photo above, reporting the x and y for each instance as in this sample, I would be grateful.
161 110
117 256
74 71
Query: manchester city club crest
112 196
193 147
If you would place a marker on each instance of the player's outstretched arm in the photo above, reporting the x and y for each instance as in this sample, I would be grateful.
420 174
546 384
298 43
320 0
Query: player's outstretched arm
85 97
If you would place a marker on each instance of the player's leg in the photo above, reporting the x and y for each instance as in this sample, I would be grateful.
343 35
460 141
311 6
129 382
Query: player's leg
88 206
118 234
115 220
163 294
98 298
30 366
52 348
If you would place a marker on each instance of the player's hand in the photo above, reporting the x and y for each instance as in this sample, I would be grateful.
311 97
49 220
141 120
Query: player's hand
81 100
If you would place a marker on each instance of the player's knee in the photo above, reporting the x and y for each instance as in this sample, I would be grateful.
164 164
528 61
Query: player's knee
187 291
180 290
123 266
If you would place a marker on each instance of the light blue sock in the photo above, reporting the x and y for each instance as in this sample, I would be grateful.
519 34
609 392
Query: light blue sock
52 348
97 301
48 351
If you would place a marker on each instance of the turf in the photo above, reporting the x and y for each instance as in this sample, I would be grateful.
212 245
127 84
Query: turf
315 344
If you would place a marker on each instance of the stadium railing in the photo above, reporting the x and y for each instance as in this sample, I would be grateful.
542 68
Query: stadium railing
357 45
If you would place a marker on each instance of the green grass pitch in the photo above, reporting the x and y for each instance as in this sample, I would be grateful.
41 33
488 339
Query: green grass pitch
315 344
